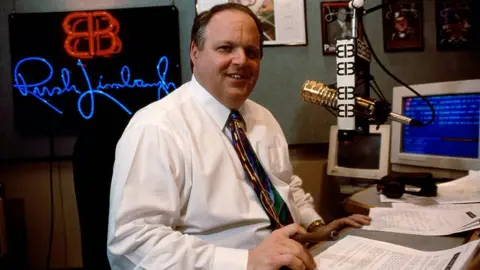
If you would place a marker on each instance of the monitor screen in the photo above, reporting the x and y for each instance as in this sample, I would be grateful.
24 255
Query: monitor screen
455 131
362 153
366 157
449 144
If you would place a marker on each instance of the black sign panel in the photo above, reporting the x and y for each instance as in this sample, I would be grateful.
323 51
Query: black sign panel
72 68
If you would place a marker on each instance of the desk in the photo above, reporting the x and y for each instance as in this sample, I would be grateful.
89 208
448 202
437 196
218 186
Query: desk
361 202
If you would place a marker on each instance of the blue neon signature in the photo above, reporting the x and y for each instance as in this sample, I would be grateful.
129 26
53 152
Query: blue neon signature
41 91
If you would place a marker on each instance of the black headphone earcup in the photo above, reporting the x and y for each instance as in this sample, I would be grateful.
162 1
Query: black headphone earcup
393 189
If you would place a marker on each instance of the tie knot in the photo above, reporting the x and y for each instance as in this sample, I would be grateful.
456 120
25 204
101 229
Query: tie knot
235 115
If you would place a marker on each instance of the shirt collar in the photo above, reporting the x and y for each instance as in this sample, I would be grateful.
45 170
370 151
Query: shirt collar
212 106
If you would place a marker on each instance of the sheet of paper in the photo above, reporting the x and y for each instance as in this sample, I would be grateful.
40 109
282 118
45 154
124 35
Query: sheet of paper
462 190
421 221
203 5
473 226
353 252
474 207
409 198
397 205
473 172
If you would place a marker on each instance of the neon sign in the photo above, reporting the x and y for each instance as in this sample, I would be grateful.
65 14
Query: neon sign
93 36
41 91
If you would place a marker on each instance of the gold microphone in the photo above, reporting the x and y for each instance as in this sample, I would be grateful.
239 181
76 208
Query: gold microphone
376 111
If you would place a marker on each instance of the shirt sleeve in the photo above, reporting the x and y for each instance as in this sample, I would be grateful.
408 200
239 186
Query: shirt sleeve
147 194
303 201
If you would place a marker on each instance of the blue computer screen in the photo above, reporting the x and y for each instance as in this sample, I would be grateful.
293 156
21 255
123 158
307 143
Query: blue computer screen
454 132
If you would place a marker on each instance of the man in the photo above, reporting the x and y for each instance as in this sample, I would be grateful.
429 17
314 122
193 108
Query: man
183 196
340 28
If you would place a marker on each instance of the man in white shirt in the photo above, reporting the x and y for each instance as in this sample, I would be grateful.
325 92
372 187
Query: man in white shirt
180 195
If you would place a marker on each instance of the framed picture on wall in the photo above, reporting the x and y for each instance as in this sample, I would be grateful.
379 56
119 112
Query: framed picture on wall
336 21
403 26
283 21
455 24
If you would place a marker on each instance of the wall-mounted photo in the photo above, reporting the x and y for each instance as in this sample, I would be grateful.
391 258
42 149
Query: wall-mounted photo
265 12
336 21
283 22
454 20
403 26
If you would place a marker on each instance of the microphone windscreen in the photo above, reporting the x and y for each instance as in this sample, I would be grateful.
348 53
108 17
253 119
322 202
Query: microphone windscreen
356 4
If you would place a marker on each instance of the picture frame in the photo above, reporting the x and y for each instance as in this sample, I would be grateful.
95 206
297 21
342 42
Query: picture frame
403 28
332 26
283 21
455 24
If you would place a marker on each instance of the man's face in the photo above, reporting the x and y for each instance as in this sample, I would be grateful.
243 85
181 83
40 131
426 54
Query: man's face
228 64
342 14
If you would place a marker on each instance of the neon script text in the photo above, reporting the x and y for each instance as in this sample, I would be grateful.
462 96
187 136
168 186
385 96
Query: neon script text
41 91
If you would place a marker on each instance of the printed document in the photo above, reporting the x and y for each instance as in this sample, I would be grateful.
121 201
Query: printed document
462 190
353 252
461 206
409 198
423 221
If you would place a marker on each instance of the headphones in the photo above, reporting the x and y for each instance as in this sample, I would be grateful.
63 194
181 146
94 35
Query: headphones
395 185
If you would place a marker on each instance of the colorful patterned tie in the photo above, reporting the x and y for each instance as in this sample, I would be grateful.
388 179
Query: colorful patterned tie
272 202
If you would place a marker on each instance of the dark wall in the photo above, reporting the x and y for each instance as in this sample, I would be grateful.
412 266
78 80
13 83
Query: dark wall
283 70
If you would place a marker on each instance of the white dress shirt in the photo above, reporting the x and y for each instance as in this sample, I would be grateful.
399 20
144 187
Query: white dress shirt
179 197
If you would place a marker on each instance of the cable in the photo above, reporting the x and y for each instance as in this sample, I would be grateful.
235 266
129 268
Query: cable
331 111
62 201
394 77
377 91
50 243
378 87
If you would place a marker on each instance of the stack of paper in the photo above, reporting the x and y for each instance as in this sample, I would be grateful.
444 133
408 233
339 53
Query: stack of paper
463 206
462 190
422 221
456 208
358 253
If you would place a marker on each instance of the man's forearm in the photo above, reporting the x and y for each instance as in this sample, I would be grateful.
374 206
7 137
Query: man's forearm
304 202
148 248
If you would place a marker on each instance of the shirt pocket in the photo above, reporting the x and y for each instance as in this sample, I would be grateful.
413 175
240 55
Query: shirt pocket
279 163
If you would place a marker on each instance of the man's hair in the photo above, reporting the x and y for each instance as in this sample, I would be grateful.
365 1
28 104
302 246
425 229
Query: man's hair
201 21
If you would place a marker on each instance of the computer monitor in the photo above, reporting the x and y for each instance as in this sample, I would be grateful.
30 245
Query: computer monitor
366 157
451 141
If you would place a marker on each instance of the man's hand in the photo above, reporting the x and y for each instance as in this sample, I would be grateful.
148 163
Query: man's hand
355 221
324 233
279 250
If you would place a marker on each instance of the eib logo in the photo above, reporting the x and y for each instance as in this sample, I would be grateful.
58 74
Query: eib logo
91 34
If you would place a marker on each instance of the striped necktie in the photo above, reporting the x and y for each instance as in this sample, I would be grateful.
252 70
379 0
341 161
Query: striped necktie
272 202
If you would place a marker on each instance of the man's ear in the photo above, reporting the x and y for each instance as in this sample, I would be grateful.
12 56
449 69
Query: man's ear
193 52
